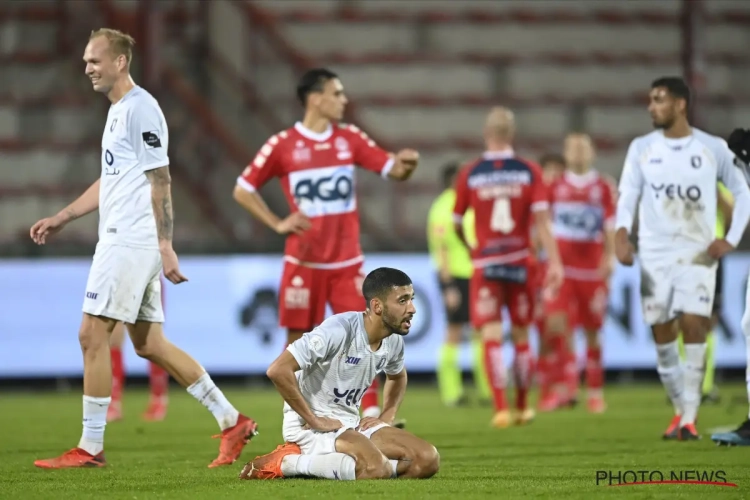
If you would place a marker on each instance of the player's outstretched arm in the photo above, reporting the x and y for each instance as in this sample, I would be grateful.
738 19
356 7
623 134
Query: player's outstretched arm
281 372
405 163
161 202
393 395
84 204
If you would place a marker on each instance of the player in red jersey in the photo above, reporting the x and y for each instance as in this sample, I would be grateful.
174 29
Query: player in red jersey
583 209
553 167
315 161
508 195
158 379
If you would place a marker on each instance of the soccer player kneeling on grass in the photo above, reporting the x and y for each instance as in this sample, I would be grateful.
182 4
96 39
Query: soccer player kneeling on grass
322 378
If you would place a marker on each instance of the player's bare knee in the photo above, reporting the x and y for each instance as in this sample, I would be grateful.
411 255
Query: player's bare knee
694 328
93 334
372 468
492 331
426 461
556 324
519 334
592 338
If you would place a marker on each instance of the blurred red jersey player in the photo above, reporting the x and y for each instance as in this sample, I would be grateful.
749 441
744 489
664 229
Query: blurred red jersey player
583 205
508 195
315 161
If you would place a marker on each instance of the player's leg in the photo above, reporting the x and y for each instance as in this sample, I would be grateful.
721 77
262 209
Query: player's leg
150 343
521 309
479 369
592 309
343 291
158 382
555 336
108 300
709 391
486 301
416 458
301 306
455 301
693 298
741 435
116 340
343 455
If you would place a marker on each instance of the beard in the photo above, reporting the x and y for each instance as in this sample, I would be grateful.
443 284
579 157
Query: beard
395 324
663 124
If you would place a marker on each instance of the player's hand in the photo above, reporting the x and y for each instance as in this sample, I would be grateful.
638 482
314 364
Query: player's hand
46 227
624 250
296 223
369 423
324 424
553 280
606 268
452 298
171 266
719 248
408 157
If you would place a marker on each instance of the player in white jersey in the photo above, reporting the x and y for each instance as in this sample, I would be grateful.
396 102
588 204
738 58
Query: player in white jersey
674 171
322 377
739 143
134 200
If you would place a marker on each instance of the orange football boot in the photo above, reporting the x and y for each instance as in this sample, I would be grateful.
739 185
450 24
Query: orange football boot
233 440
73 458
269 466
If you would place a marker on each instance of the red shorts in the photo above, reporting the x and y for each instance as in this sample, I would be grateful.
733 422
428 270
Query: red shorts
305 291
585 303
487 298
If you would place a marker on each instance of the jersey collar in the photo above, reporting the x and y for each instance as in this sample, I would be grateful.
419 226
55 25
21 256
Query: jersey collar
581 180
314 136
499 155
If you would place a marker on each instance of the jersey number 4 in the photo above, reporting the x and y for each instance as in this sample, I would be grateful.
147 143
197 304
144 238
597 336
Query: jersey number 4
502 219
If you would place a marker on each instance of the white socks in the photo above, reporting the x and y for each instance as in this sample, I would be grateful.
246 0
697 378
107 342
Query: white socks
205 391
693 372
337 466
94 422
670 372
329 466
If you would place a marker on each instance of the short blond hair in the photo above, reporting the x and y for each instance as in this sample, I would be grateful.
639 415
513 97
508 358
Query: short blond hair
121 44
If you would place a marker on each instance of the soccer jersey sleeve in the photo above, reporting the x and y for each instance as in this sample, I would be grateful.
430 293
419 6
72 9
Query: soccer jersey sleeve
733 178
462 195
395 363
631 184
149 136
264 166
319 345
367 154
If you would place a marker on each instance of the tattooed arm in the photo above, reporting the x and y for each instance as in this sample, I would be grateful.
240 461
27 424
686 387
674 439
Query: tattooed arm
161 202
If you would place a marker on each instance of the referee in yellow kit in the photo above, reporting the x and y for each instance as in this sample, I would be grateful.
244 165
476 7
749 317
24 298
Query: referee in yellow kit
452 261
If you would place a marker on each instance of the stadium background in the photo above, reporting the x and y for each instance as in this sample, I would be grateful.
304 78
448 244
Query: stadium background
419 73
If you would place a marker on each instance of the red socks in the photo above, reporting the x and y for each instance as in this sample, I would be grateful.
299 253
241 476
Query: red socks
118 373
493 362
523 370
594 370
158 381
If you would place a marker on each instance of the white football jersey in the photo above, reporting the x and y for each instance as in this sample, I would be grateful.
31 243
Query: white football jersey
135 140
676 180
337 365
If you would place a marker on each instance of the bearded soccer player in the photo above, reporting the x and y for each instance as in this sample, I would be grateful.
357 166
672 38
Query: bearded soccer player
508 196
583 215
134 200
670 175
315 160
322 377
158 379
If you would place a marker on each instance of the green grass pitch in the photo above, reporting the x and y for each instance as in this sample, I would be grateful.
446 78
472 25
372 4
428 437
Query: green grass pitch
555 457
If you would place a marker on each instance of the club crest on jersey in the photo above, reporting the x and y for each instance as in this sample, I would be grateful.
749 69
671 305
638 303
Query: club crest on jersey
301 154
342 145
381 365
695 161
112 127
595 194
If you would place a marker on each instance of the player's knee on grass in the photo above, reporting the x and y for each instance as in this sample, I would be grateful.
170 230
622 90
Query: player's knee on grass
694 328
492 331
370 463
94 332
416 457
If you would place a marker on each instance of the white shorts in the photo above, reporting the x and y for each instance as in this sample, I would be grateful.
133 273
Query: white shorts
314 442
668 289
124 284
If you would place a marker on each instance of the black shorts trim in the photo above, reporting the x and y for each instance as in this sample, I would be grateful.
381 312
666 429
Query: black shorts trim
461 314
